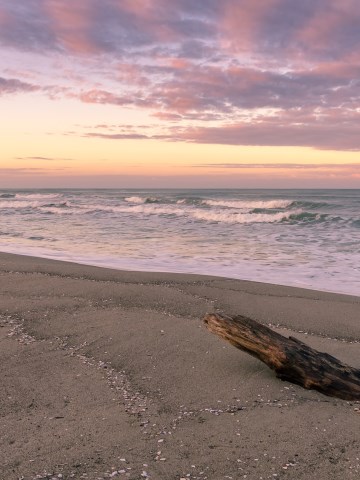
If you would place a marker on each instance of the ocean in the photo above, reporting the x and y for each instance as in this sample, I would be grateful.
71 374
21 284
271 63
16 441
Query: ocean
304 238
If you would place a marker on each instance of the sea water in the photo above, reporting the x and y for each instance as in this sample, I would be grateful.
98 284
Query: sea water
306 238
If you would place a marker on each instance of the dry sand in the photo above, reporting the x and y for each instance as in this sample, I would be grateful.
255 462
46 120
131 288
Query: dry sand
111 374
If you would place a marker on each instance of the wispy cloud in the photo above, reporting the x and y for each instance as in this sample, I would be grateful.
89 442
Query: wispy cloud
119 136
316 134
29 170
13 85
47 159
282 166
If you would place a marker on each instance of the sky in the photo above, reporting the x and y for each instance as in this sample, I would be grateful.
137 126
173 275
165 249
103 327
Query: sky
180 93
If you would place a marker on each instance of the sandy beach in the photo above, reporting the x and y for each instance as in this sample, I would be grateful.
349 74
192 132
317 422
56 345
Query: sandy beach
111 374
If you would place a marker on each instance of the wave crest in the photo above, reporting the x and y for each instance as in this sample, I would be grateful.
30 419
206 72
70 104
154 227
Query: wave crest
234 217
37 196
18 204
249 204
141 200
135 199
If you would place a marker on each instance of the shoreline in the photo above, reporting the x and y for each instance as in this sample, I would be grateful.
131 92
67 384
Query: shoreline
110 374
103 265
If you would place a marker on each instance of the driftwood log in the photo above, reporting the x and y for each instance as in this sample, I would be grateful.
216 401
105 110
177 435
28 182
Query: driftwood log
291 359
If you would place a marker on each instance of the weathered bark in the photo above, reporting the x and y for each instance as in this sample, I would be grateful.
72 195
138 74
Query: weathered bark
291 359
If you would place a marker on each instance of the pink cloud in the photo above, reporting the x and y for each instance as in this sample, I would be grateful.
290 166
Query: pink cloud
30 170
119 136
131 74
242 22
148 16
320 135
338 69
336 131
4 17
168 116
340 167
143 8
327 25
13 85
71 23
103 97
194 62
178 63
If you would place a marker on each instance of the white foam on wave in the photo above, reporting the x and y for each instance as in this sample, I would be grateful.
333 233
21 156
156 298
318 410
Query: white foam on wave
248 204
37 196
234 217
58 210
157 210
135 199
145 209
18 204
141 200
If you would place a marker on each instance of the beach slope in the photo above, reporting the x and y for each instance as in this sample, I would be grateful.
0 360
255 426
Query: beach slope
111 374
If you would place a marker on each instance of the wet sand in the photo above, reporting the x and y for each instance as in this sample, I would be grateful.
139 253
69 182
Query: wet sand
111 374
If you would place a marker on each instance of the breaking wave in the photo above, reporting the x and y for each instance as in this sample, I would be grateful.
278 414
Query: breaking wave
234 217
146 209
19 204
249 204
37 196
22 204
140 200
